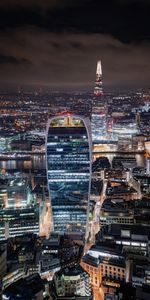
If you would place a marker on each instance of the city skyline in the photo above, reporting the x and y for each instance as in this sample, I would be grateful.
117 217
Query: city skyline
45 184
74 149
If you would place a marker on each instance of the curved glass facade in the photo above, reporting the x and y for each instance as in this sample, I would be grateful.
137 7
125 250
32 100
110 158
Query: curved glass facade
69 172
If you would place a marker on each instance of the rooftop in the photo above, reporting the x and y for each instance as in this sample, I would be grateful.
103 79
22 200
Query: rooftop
72 271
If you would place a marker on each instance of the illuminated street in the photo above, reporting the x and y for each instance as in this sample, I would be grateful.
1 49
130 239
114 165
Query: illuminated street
97 295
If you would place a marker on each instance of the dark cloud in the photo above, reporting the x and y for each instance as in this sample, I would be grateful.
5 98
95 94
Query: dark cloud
70 59
59 41
124 19
11 60
51 4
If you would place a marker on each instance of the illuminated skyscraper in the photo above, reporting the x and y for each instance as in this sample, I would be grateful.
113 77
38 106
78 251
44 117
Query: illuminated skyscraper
99 109
20 213
98 90
68 160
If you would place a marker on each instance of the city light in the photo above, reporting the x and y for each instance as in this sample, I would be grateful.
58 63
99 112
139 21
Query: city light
74 150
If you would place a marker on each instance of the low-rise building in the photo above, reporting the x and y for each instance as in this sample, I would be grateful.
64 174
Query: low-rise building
57 252
116 211
134 238
72 283
140 272
29 288
105 263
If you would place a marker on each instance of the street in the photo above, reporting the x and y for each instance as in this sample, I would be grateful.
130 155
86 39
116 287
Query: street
97 295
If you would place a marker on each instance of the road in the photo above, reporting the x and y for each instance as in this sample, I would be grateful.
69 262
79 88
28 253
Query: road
95 227
103 193
97 295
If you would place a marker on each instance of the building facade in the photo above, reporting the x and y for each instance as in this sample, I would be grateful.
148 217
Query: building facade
104 264
68 163
16 222
72 283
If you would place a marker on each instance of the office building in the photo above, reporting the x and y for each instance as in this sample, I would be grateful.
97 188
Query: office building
68 159
105 263
20 212
116 211
133 238
72 283
99 110
57 252
15 222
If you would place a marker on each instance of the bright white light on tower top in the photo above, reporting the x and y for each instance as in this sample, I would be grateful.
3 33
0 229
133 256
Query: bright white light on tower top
99 68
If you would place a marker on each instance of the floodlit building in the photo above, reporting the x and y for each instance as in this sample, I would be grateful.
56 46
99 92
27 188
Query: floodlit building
20 212
98 124
68 160
104 264
99 110
15 222
15 192
72 283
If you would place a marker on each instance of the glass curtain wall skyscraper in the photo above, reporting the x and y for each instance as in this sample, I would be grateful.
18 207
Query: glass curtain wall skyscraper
99 110
69 172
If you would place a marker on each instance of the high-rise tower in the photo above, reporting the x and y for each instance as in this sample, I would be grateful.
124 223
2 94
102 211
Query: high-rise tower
68 151
98 89
99 109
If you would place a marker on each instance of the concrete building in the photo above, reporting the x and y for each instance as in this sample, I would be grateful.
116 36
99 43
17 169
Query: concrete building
134 238
117 211
72 282
15 222
105 264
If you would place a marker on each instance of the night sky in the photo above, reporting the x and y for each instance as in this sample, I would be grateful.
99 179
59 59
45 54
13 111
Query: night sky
57 42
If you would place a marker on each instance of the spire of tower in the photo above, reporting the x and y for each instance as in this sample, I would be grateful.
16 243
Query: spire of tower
99 68
98 89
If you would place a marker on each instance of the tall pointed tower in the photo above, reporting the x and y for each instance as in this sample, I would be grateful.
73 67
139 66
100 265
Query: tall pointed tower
99 109
98 89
